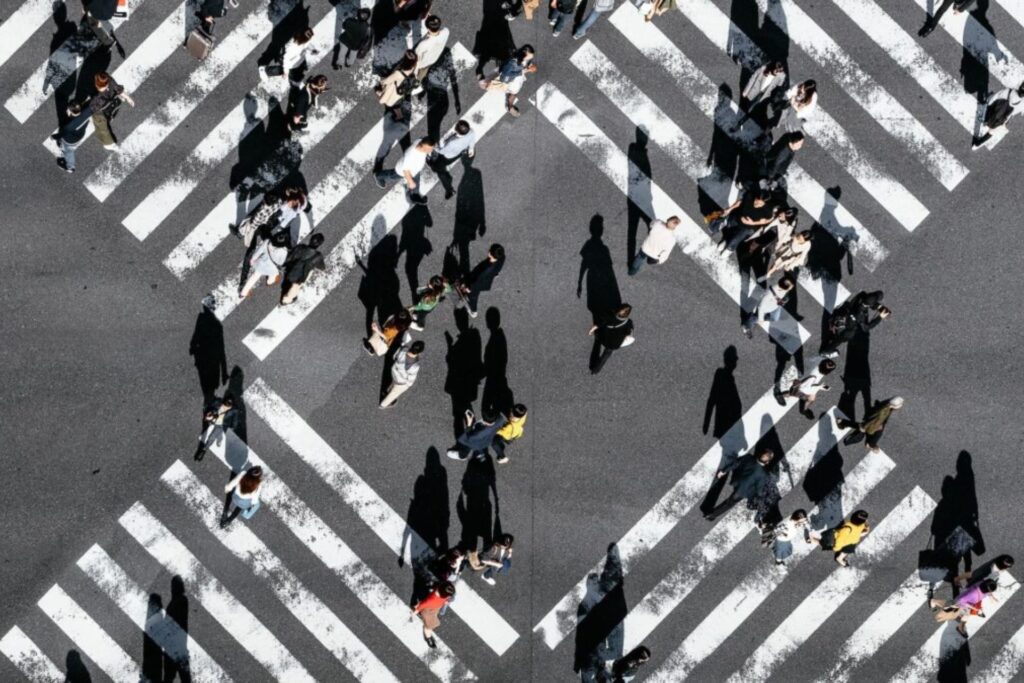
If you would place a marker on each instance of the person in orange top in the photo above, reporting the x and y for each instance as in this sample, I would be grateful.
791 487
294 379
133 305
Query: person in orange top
429 609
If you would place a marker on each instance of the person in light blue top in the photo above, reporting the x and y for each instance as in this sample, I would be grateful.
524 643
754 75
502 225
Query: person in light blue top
599 8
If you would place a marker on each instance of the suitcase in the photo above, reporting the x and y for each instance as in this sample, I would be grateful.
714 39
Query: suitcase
199 43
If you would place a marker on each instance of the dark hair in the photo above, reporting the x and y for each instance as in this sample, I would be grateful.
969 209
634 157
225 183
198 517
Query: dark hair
505 540
765 451
426 140
437 282
497 251
304 36
318 82
524 51
364 14
294 193
1003 561
489 415
859 517
251 480
776 67
796 136
408 61
462 127
101 80
279 239
787 282
433 23
791 213
627 665
316 239
229 400
624 311
519 409
799 513
75 108
445 589
417 347
988 585
402 319
762 194
826 366
810 87
453 553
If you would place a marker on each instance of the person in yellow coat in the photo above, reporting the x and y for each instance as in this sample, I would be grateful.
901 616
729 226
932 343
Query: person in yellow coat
512 430
846 536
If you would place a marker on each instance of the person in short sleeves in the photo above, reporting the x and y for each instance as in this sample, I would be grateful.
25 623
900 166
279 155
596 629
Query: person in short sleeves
612 333
408 169
429 610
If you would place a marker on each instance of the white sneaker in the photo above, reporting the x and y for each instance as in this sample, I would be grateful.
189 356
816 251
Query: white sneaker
416 326
489 580
263 74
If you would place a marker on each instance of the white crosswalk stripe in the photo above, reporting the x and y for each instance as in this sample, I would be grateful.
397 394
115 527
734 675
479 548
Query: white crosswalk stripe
21 24
1006 665
236 619
1015 8
32 662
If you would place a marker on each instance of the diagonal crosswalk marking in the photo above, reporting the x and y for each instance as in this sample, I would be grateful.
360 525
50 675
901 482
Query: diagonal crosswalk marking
695 85
829 595
730 613
371 508
21 24
133 601
726 534
330 549
94 642
222 60
52 73
687 155
1007 663
656 524
654 202
307 609
32 662
236 619
1015 8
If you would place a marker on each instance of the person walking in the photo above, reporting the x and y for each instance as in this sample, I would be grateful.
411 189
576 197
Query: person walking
799 104
243 495
1001 105
761 86
806 388
104 104
873 425
793 528
71 134
779 158
462 140
770 306
658 245
853 316
749 478
219 415
843 540
394 90
512 77
408 170
382 336
266 261
512 430
612 332
792 248
259 221
478 435
293 59
429 49
600 7
753 209
497 559
302 260
427 299
404 369
96 17
481 278
968 604
429 610
295 204
356 36
933 21
624 669
994 569
302 101
560 12
210 11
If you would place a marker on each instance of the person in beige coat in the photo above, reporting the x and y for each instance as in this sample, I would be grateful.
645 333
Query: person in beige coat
394 90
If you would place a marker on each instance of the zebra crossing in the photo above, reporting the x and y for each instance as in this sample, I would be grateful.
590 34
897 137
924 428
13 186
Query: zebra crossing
861 161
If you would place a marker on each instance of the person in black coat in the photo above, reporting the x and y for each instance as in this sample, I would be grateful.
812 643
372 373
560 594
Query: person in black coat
302 260
851 317
481 278
356 36
303 100
749 478
780 157
210 11
612 332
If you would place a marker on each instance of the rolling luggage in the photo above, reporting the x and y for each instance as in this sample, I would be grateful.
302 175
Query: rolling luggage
199 43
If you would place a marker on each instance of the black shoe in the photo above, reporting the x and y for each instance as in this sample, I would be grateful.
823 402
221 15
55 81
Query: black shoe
448 194
431 643
780 399
199 454
926 29
978 141
224 522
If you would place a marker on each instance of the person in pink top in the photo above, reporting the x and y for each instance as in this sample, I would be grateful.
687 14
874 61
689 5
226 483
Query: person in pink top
968 604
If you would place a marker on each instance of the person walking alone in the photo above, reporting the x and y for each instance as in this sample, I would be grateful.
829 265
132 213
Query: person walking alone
404 369
394 90
461 141
243 495
478 435
266 261
356 36
873 425
843 540
786 532
612 333
512 430
806 388
300 264
293 59
218 417
429 49
560 12
408 170
749 478
481 278
658 245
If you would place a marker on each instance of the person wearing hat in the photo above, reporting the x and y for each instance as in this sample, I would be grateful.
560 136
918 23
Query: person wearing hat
873 424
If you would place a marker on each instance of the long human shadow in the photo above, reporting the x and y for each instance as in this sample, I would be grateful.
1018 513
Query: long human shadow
733 448
415 244
64 28
494 41
74 668
856 375
975 73
956 514
596 267
640 178
824 481
600 631
152 653
380 289
723 152
207 350
428 515
441 78
296 20
723 402
497 395
262 143
470 213
464 368
954 656
477 503
165 655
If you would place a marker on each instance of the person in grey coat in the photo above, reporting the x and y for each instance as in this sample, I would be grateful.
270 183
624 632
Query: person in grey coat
762 84
749 477
599 8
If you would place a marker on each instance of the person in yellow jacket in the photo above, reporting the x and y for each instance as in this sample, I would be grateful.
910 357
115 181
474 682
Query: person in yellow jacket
846 536
512 430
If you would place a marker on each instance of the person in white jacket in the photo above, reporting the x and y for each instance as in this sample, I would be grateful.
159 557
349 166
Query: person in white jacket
404 370
429 49
293 61
661 239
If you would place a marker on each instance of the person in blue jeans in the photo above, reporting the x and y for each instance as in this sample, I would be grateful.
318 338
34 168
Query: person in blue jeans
560 12
599 8
497 558
71 135
243 495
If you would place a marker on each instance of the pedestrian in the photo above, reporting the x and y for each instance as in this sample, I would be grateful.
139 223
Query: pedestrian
394 90
600 7
493 560
1000 106
71 134
478 435
785 533
266 261
300 102
753 209
779 158
411 14
625 668
512 8
427 299
96 17
654 8
658 245
243 495
993 569
382 336
749 478
104 105
612 332
559 13
873 425
462 140
293 59
404 369
259 221
408 170
429 49
933 21
210 11
792 247
302 260
481 278
843 540
429 610
807 387
968 604
853 316
356 35
512 77
798 104
219 415
295 204
765 81
770 306
512 430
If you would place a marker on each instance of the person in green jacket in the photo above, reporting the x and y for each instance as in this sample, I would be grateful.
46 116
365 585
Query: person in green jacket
873 424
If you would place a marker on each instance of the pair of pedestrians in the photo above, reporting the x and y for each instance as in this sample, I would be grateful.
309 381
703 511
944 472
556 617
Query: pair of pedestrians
100 109
493 430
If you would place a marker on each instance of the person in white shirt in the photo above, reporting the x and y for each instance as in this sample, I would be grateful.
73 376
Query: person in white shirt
461 141
404 370
1001 105
661 240
430 48
408 169
801 101
245 495
806 388
293 61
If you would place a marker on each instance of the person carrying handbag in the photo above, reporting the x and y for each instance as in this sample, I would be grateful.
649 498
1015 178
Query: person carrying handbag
968 604
396 88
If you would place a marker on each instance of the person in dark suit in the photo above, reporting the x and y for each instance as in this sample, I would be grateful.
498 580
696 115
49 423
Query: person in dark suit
482 277
749 477
612 332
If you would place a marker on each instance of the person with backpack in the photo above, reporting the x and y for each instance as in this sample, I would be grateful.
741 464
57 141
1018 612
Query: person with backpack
1000 107
302 260
843 539
71 134
852 316
104 104
872 426
293 59
394 90
356 35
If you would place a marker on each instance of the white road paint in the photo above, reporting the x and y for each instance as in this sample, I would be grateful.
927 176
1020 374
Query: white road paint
88 636
222 139
726 534
337 556
208 591
1007 662
654 202
163 630
52 73
687 155
227 54
32 662
663 517
945 641
378 222
307 608
382 519
696 86
21 24
1015 8
829 595
730 613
